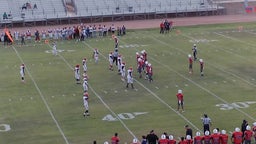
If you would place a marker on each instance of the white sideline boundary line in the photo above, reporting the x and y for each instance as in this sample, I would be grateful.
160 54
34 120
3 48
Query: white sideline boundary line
43 99
205 89
155 95
222 69
99 97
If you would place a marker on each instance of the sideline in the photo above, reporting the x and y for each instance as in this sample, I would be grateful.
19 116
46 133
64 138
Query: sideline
43 98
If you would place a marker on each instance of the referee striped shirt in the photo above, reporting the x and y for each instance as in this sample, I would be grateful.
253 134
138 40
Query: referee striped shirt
206 120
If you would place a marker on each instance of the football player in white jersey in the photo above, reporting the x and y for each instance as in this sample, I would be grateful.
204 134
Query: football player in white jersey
22 72
77 74
85 84
129 77
86 105
54 49
123 71
119 63
96 55
84 65
110 59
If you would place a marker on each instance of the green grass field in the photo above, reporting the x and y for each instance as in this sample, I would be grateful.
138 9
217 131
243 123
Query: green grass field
48 108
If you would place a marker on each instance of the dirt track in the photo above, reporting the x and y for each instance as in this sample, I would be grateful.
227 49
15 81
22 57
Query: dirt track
140 24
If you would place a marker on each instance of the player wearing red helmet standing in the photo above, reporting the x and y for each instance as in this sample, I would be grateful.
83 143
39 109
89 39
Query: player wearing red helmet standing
110 59
119 63
86 105
84 65
77 74
123 71
96 55
149 71
129 77
22 72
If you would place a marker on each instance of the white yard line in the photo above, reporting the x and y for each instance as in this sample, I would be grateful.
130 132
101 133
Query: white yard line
156 96
215 65
100 98
198 85
43 98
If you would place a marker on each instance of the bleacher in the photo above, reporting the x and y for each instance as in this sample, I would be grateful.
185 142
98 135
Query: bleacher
54 9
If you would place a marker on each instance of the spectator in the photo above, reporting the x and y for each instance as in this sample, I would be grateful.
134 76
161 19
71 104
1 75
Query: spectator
152 138
206 123
188 131
35 6
243 126
5 16
24 7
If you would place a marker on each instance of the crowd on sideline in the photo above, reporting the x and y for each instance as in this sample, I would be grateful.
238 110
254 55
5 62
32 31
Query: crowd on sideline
80 33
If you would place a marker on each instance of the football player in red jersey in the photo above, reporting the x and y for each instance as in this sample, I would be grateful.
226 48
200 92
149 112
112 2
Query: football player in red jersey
237 136
207 138
115 139
215 137
172 140
223 137
190 64
189 140
163 139
254 130
248 135
198 139
180 100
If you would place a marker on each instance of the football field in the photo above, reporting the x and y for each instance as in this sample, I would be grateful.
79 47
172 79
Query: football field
48 107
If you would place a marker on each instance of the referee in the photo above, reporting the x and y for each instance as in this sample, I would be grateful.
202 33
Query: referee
206 122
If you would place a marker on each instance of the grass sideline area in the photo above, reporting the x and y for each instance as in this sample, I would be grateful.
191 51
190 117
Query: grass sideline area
48 107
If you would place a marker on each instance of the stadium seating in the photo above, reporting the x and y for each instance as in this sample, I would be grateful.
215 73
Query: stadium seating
47 9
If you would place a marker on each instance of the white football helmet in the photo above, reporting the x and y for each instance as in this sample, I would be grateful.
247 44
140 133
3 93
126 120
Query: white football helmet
188 137
134 140
163 136
215 131
237 129
106 142
254 124
206 133
198 133
200 60
179 91
223 132
248 127
170 137
189 55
